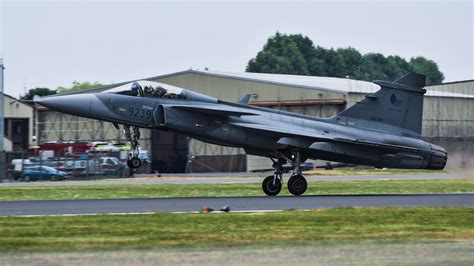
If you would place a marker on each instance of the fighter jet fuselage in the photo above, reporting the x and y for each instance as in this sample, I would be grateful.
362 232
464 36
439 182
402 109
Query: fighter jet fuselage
383 130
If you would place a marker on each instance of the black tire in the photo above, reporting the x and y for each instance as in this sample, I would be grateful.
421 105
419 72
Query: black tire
269 188
134 162
297 185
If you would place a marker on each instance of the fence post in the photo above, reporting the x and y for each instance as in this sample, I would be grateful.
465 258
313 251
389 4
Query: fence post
3 168
2 152
87 165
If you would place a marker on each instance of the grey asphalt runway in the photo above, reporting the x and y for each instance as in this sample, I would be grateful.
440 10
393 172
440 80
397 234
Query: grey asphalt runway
61 207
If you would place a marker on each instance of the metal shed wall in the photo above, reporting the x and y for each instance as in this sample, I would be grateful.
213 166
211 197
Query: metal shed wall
56 126
466 87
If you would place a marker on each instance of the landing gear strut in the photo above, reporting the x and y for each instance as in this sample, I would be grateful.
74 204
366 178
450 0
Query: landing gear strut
297 184
133 136
271 185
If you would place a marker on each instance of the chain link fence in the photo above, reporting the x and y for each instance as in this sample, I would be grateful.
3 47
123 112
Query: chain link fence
24 166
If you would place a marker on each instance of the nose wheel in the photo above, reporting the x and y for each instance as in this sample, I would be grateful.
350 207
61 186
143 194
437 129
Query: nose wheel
133 136
271 185
134 162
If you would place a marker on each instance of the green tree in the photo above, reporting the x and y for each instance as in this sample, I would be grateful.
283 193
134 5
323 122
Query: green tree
305 46
396 67
427 67
76 86
351 59
37 91
297 54
317 65
280 55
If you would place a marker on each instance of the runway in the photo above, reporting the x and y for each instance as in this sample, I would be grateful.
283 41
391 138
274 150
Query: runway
263 203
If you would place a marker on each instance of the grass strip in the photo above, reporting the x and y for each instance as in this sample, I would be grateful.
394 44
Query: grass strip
227 229
347 171
241 189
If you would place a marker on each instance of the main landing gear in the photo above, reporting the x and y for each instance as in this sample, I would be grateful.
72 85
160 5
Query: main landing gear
297 184
133 136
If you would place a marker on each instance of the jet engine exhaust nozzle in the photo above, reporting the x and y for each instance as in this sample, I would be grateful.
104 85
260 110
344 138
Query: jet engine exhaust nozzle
438 159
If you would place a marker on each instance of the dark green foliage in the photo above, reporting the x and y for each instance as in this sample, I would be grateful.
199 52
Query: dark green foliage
37 91
297 54
279 55
427 67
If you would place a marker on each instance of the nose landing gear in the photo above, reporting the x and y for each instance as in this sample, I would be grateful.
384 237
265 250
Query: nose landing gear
297 184
271 185
133 136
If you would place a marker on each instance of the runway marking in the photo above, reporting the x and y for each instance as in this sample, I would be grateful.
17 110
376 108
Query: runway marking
237 204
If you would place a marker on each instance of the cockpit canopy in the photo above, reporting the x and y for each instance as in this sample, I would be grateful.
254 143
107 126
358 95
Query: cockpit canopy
150 89
146 88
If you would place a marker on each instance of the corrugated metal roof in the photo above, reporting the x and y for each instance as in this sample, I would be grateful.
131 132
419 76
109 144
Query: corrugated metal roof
342 85
312 82
447 94
453 82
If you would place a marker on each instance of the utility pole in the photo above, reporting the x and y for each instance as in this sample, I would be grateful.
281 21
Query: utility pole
2 130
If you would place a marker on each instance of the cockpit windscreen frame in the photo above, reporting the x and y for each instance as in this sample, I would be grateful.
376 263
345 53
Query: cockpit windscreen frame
145 88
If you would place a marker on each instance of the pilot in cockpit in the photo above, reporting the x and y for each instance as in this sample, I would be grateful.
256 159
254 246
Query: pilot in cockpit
148 91
159 92
135 88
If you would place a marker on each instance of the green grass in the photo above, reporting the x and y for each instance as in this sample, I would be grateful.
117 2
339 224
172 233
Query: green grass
346 171
228 229
233 189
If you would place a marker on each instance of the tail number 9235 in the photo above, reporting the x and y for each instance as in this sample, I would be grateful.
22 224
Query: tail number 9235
140 113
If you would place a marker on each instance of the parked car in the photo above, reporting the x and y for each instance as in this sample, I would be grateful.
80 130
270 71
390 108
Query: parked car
110 165
32 173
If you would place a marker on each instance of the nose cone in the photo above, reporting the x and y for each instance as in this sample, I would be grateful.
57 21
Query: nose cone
77 104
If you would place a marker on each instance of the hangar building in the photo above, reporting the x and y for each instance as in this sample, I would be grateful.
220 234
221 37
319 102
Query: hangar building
465 86
18 124
447 117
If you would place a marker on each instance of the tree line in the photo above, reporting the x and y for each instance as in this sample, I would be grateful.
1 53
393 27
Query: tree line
296 54
76 86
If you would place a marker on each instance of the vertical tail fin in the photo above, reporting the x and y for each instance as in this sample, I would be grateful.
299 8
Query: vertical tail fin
398 104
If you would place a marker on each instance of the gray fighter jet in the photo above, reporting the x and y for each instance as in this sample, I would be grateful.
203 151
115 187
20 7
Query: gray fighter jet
382 130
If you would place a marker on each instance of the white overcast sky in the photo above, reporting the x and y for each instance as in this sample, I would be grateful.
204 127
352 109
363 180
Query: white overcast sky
51 44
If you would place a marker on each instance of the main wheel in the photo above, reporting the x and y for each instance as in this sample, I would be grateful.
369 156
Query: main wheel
134 162
297 185
270 187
